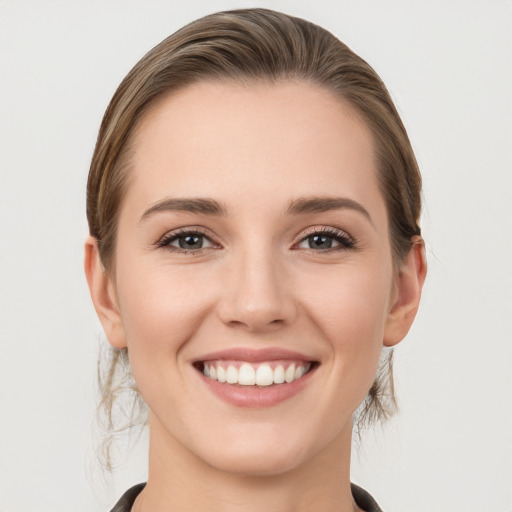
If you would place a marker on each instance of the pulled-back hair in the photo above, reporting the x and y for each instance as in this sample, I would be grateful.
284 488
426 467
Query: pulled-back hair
248 46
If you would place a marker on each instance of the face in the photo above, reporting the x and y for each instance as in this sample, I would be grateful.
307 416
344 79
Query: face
253 246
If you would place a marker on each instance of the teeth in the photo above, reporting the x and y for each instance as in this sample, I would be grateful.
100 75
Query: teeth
246 375
221 374
279 375
264 375
289 374
259 375
232 375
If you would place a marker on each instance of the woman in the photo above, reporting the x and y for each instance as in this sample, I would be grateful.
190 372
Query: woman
253 204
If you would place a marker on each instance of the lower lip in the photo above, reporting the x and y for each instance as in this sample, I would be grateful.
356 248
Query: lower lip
256 397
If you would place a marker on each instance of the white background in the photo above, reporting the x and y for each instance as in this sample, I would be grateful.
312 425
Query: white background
448 65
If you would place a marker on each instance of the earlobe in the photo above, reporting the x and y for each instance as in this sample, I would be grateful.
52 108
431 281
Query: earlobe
409 285
103 295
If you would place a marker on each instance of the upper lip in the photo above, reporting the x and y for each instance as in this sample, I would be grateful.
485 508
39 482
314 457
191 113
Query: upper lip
253 355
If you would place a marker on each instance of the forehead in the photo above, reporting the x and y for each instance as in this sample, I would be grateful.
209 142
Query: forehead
233 141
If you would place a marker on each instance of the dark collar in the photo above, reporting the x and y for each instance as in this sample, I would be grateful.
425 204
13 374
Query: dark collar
363 499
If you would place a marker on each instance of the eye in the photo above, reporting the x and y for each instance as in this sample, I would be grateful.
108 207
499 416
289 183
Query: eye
325 239
186 241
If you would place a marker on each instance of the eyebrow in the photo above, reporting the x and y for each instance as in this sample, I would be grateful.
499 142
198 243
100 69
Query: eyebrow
325 204
297 206
204 206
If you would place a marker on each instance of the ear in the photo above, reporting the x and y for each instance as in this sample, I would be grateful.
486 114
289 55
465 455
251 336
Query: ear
103 295
409 283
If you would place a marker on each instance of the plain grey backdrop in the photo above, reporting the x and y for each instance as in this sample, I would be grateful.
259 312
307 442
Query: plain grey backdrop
448 65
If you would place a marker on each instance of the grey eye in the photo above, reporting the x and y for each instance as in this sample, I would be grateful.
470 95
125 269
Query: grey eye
192 241
320 242
186 241
325 240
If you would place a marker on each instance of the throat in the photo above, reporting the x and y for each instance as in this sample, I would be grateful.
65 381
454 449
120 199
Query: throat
181 479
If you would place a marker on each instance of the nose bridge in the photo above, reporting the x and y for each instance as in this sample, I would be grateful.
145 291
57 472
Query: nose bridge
258 296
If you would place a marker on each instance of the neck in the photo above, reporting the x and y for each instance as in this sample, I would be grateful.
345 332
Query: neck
180 481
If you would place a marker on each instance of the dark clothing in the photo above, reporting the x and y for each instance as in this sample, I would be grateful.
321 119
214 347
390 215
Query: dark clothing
126 502
361 497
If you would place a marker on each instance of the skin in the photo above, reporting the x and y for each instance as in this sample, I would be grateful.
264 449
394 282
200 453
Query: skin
256 283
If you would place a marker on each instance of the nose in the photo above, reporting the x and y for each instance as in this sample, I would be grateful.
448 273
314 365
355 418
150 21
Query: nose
257 296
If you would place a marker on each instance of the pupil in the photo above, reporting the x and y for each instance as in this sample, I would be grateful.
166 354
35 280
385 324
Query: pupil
191 242
320 242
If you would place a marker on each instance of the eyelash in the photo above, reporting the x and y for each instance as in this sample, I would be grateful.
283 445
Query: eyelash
167 239
346 241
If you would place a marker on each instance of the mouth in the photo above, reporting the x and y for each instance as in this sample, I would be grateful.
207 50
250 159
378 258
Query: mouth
248 378
244 373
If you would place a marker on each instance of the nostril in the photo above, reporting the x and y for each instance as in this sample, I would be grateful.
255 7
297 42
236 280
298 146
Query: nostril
255 325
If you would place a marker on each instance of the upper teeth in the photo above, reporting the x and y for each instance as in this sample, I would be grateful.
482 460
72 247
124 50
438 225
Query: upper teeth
258 375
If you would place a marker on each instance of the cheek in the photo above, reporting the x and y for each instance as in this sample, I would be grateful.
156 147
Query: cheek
350 306
161 309
351 303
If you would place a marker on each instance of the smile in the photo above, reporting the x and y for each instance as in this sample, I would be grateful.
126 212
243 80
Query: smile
262 374
255 378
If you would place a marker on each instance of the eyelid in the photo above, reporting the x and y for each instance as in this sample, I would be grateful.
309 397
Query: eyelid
345 239
348 240
164 241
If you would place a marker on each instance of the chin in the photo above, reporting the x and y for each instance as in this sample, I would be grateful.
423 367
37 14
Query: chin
260 451
251 463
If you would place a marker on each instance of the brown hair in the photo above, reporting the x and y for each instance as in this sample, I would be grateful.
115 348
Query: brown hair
246 46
